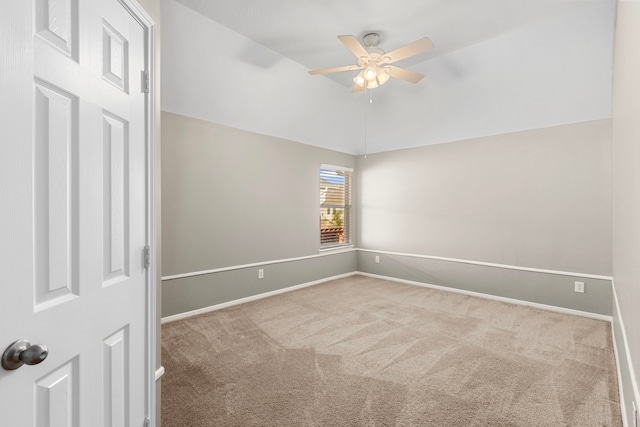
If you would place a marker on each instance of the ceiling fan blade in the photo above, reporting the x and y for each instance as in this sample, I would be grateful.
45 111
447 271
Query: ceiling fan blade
415 48
354 46
403 74
335 69
357 88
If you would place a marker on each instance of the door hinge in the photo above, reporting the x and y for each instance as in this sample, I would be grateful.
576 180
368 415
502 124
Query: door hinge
145 81
147 256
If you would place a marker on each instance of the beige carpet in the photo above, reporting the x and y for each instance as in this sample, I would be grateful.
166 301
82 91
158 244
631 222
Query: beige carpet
367 352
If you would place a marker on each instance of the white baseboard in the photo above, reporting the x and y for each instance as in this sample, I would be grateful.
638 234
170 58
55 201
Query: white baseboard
616 349
494 297
159 372
623 409
249 299
208 309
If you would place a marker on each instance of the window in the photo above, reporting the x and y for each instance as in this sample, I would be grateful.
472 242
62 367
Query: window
335 206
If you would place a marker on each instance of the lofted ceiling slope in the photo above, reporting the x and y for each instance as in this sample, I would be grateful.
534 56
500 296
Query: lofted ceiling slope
497 66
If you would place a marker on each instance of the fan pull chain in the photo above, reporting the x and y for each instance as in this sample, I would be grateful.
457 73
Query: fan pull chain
365 120
370 92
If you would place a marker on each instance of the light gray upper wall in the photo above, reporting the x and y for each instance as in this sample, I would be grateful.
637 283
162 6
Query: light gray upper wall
232 197
538 198
626 174
218 75
554 70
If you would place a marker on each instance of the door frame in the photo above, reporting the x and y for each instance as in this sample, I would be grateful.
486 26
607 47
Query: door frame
151 374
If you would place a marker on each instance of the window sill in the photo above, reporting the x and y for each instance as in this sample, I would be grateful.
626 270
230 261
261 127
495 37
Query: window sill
339 248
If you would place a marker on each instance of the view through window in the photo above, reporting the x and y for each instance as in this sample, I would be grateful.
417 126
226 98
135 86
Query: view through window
335 205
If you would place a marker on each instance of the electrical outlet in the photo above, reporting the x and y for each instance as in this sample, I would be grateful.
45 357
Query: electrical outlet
377 259
261 273
579 287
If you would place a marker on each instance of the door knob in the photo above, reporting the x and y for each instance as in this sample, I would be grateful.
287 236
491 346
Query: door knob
22 352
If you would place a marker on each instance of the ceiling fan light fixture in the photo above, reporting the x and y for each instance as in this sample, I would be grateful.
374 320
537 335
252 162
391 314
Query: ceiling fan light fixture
370 73
383 77
372 84
359 79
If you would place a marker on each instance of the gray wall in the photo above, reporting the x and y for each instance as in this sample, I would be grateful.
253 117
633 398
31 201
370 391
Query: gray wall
192 293
231 198
626 194
550 289
539 199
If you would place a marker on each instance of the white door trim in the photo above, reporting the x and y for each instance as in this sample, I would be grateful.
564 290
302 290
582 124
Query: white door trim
150 159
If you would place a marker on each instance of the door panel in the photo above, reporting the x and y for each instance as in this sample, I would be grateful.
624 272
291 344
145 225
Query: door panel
116 373
116 212
57 400
114 57
56 208
56 22
73 219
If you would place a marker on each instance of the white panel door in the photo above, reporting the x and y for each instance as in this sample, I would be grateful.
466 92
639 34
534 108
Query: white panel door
73 212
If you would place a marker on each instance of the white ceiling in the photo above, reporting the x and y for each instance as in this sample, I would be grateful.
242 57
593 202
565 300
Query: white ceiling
497 66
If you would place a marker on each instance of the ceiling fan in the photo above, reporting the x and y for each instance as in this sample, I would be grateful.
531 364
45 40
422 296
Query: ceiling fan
375 63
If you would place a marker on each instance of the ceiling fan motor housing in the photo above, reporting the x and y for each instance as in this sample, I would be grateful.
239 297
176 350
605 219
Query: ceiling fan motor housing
371 39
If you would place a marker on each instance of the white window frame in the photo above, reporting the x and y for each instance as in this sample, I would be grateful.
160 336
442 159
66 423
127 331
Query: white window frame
348 209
